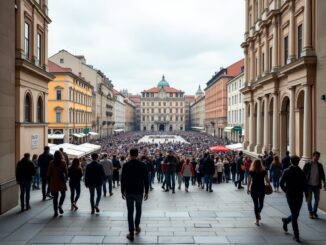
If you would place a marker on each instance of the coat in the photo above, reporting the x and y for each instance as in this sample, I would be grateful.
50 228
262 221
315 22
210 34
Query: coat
25 170
55 173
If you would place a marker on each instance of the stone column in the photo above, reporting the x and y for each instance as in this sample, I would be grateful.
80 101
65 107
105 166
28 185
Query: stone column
307 124
259 62
275 125
266 124
252 128
266 53
259 135
246 127
259 11
247 17
307 29
246 63
291 122
275 45
291 57
252 62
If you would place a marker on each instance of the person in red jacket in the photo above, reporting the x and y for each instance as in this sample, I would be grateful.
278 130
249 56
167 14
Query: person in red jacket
187 171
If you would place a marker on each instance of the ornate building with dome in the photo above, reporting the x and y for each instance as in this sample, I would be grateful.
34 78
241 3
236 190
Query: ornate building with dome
163 108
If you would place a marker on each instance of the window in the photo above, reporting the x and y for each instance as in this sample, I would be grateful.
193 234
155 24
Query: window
58 117
39 110
286 49
270 58
299 40
28 108
27 40
58 94
39 49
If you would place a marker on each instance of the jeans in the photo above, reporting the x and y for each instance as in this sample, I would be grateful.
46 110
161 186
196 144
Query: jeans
45 182
109 178
219 177
150 179
313 190
295 204
132 201
187 179
92 195
199 179
170 177
36 180
276 182
246 175
55 195
74 188
208 181
193 180
227 176
240 179
160 177
179 177
25 190
258 199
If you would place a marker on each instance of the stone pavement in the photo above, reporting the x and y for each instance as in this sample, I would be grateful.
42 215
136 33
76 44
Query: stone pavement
198 217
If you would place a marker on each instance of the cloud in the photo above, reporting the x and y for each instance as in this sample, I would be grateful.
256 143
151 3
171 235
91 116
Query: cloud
135 42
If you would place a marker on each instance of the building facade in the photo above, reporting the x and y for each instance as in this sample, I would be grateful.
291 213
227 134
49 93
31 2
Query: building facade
119 111
130 115
189 99
162 108
8 184
235 127
197 111
279 92
103 106
32 76
69 106
216 99
136 99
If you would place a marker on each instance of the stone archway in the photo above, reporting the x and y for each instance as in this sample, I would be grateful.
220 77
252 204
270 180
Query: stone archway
285 124
299 113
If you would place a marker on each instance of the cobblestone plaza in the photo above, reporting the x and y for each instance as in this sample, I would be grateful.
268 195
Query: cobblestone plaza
224 216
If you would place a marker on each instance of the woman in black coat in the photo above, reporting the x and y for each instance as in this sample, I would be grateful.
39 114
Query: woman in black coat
75 175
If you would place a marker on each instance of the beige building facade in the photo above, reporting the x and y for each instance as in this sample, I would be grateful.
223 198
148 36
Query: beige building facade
280 77
8 184
162 108
103 106
197 114
130 115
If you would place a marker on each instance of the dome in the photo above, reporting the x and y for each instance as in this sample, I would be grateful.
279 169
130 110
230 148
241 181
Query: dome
199 91
163 83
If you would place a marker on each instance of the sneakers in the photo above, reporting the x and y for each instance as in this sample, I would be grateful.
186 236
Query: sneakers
130 237
285 224
97 209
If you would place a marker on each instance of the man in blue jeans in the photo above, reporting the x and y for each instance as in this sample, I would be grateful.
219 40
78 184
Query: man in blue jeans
94 179
315 177
171 165
134 182
108 170
209 170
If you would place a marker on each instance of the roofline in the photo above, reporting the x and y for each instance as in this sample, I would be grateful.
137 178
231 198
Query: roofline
73 75
235 78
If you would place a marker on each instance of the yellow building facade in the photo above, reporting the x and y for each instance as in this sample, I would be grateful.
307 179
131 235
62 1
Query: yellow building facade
69 106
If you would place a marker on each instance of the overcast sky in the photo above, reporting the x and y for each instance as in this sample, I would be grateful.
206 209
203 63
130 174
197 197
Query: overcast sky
134 42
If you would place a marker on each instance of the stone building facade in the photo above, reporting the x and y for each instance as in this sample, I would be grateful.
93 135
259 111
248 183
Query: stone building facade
69 106
216 99
119 112
136 99
130 115
197 111
280 87
189 99
103 102
162 108
234 130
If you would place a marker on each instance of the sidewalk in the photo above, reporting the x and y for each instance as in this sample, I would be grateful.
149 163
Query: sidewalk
223 217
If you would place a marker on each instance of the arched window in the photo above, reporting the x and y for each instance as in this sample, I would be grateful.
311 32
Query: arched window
40 110
28 108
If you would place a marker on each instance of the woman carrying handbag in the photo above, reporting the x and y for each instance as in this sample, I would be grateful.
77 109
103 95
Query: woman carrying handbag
256 187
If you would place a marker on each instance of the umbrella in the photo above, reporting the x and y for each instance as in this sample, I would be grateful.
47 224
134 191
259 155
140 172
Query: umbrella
219 148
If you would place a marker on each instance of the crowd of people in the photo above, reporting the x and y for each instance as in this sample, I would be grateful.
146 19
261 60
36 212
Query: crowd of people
172 165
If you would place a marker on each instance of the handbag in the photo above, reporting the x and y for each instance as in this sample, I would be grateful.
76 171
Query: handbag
268 189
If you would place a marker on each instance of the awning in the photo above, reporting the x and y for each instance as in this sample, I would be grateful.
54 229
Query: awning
228 129
235 147
93 133
81 135
55 136
200 128
119 130
76 150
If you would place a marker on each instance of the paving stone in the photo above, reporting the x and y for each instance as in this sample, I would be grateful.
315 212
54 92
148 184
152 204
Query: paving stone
211 239
199 225
87 239
175 239
51 239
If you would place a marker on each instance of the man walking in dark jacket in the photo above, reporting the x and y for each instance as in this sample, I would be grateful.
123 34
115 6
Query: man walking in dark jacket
25 171
43 161
293 183
171 164
134 181
315 177
94 179
209 170
240 170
